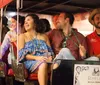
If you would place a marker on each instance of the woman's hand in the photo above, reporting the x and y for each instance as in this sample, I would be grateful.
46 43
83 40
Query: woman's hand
41 58
49 59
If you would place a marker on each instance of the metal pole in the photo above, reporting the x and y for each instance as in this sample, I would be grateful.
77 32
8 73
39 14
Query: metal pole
19 4
1 28
17 7
1 24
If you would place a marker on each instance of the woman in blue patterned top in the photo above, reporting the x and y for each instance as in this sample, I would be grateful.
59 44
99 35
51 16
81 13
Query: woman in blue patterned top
34 48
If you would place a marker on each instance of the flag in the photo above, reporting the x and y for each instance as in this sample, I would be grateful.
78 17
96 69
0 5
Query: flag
4 2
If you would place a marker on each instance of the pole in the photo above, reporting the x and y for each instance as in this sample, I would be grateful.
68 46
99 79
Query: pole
1 24
1 28
19 4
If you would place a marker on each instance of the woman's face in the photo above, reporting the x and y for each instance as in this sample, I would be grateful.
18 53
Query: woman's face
29 23
13 24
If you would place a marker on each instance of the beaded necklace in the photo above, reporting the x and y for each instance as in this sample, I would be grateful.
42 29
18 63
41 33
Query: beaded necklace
64 44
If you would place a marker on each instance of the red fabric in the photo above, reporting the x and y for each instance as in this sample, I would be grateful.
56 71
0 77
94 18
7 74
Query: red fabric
93 41
33 76
4 2
56 37
14 48
10 72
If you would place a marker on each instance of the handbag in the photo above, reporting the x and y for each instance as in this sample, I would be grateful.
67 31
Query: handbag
19 69
3 69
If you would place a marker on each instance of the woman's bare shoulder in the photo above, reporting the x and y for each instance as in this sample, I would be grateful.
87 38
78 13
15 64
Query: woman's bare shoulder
23 36
44 36
21 41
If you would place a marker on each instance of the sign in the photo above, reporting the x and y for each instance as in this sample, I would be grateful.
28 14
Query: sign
86 74
4 2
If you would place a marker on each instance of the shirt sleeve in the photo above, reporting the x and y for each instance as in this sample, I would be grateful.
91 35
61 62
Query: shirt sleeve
22 53
56 38
5 44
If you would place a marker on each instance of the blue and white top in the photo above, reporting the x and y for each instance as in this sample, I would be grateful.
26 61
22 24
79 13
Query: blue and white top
35 47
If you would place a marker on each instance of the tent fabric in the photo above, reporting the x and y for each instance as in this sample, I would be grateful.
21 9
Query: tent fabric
4 2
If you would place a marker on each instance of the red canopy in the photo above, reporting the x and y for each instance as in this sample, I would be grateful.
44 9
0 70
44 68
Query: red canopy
4 2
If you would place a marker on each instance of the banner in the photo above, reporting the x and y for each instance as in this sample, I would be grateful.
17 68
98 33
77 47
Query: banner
4 2
86 74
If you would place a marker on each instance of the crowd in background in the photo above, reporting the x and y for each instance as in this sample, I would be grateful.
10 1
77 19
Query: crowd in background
39 45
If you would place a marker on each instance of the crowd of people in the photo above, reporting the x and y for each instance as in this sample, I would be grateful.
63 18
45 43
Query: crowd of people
39 45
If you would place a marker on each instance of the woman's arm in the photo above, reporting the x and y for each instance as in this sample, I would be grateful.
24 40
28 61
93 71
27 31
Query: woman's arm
21 50
21 41
51 51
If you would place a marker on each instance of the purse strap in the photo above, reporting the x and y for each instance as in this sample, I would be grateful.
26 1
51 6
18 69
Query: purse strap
67 37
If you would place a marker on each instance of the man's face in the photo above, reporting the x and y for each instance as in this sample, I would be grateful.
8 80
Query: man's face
97 21
61 21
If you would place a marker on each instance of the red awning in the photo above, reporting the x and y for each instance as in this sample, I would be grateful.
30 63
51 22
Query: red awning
4 2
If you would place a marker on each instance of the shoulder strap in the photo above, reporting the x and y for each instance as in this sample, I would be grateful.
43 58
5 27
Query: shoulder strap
67 37
76 38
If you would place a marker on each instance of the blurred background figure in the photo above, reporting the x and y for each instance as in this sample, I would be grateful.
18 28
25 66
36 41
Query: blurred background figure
4 26
4 29
54 21
46 25
10 38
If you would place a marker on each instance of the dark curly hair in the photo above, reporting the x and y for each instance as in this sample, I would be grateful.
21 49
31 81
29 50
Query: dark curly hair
45 25
42 25
36 21
70 16
4 21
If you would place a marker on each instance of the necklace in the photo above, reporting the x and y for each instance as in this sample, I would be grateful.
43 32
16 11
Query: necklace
66 37
37 44
64 44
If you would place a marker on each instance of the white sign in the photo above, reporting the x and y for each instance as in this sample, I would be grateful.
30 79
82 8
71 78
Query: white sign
86 74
